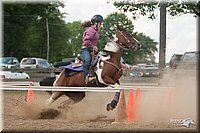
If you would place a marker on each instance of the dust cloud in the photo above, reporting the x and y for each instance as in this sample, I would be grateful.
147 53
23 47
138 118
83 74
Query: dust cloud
177 101
92 107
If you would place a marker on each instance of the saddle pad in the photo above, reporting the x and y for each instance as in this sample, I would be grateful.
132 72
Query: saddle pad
70 67
80 68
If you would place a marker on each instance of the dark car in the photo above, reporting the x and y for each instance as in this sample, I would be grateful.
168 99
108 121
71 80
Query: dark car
151 71
136 73
64 62
174 61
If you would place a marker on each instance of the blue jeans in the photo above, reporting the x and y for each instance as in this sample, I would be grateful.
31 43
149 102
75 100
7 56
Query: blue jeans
86 57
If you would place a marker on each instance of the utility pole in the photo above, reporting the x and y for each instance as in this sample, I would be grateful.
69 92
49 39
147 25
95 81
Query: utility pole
162 49
47 27
47 32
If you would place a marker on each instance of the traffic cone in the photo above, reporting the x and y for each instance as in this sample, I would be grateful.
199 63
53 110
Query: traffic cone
137 102
30 95
131 107
121 115
137 97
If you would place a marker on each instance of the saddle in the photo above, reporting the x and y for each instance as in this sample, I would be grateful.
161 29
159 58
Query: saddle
77 66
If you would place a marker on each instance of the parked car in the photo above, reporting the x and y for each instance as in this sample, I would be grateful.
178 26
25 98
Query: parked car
136 73
64 62
151 71
9 62
189 60
34 63
174 61
13 75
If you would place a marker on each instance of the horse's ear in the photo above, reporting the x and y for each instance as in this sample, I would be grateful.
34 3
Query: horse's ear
120 28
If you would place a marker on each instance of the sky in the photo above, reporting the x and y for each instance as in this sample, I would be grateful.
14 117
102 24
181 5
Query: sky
181 31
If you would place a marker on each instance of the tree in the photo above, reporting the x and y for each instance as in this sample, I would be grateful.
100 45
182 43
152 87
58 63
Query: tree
174 8
74 42
25 29
142 8
145 54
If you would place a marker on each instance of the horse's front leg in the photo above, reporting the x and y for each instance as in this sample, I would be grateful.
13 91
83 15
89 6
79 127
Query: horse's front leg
114 84
108 80
112 105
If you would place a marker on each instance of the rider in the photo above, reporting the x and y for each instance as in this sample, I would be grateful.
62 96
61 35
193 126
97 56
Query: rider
89 44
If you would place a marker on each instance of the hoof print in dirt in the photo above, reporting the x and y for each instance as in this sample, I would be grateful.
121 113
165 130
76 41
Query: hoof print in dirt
48 114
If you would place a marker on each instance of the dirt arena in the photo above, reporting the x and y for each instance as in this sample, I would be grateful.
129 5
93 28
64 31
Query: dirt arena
155 111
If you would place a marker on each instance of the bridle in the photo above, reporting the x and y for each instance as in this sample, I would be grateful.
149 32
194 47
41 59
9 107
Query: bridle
127 40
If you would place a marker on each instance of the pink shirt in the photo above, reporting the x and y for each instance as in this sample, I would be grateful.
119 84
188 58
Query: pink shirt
90 37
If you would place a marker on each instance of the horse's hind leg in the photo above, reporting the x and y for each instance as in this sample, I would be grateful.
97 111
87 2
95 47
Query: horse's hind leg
74 97
67 104
48 81
55 95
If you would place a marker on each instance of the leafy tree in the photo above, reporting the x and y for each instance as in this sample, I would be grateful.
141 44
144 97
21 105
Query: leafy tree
145 54
74 42
174 8
144 8
25 29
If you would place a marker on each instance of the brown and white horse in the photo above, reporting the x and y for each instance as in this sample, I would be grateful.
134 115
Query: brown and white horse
108 71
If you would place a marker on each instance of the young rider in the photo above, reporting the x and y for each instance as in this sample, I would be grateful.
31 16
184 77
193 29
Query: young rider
89 44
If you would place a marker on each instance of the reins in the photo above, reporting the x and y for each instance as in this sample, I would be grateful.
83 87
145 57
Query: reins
119 70
127 40
108 62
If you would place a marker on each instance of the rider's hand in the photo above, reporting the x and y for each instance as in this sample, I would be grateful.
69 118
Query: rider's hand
95 48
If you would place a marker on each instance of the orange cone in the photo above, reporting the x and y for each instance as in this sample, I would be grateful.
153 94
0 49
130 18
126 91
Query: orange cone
131 107
30 95
137 102
137 98
121 115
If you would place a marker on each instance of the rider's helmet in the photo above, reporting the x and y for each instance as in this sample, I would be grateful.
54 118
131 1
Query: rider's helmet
96 19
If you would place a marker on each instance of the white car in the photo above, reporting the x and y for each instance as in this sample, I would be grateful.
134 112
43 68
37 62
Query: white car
34 63
13 75
9 62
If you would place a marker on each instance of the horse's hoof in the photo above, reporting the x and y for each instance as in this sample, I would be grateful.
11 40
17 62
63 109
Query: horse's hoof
109 107
61 107
48 114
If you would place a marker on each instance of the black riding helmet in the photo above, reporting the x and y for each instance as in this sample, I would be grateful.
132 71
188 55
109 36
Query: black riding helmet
97 18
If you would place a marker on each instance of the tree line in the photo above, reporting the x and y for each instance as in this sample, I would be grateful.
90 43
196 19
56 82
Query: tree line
25 33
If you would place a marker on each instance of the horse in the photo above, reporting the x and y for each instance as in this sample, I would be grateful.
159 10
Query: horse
108 70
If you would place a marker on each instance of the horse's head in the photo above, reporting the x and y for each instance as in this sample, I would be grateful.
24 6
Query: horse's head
125 40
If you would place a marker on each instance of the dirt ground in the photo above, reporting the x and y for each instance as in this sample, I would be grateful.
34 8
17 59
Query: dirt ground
155 111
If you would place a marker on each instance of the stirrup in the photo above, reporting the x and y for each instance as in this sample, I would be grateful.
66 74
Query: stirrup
86 80
90 79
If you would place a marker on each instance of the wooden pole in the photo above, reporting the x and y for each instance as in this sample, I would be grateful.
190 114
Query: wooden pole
162 49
